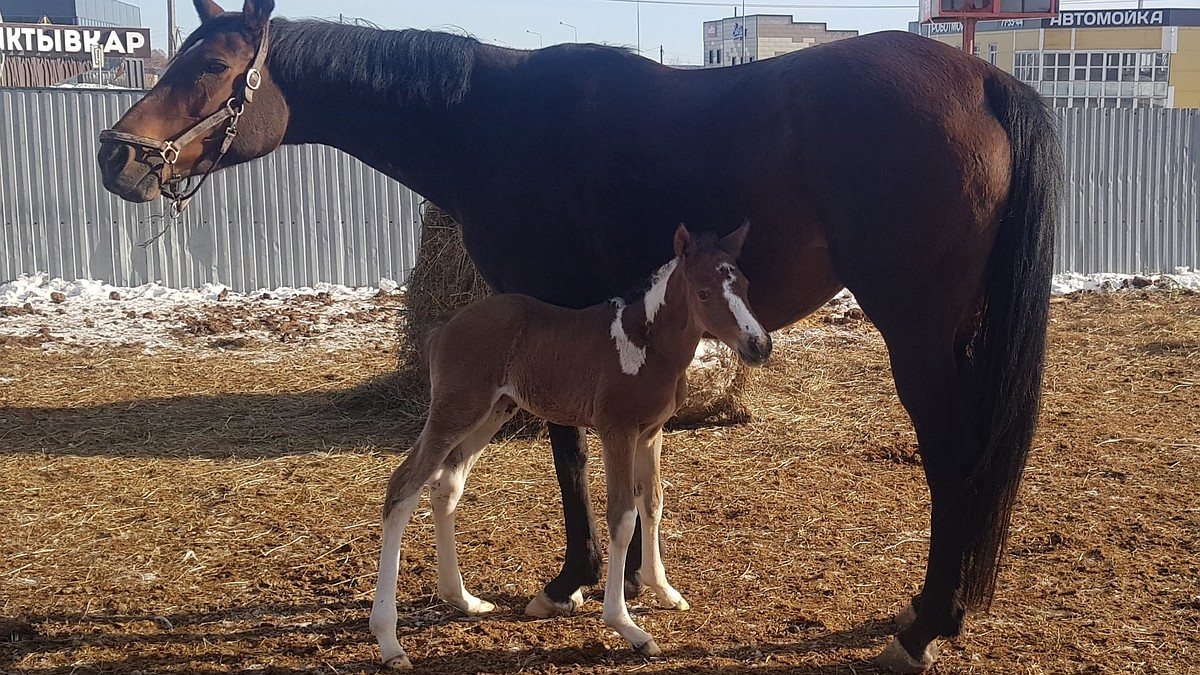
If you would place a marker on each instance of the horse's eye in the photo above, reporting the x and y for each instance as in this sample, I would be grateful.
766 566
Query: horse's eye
703 294
215 67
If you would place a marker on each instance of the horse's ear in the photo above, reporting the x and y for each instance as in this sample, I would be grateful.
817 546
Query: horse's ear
733 242
207 9
257 12
684 244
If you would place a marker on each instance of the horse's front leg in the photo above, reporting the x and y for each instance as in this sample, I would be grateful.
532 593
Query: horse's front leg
581 566
648 489
619 450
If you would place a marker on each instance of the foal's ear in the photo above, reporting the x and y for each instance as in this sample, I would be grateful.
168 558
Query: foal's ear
733 242
257 12
207 9
684 244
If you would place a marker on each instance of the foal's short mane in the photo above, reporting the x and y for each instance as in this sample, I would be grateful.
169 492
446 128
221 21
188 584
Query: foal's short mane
406 66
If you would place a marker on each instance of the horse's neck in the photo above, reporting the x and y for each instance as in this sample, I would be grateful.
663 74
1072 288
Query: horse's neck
664 321
403 111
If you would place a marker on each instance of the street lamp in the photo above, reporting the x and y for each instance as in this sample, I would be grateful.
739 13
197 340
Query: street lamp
573 28
534 32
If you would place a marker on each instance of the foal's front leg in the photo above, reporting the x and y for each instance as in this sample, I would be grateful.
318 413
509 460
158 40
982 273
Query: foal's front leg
619 449
648 488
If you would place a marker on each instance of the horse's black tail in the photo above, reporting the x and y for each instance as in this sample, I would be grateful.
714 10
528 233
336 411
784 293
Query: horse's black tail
1009 349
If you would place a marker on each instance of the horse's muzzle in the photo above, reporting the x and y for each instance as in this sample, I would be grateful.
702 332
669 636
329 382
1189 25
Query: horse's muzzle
124 175
754 351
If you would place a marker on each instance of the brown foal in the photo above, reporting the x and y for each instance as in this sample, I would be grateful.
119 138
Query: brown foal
617 368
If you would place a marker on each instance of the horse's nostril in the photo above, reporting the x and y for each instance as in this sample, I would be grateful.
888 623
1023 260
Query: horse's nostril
113 157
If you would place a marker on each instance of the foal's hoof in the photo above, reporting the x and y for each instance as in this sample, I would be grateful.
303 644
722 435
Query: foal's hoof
647 649
905 618
681 606
897 659
543 607
400 662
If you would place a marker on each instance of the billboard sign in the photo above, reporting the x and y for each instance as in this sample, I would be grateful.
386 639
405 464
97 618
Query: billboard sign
27 39
986 10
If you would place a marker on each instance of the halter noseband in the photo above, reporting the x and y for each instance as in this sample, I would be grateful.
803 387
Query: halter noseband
169 150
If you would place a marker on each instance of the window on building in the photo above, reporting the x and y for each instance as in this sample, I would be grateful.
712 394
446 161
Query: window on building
718 56
733 60
710 56
1101 79
993 54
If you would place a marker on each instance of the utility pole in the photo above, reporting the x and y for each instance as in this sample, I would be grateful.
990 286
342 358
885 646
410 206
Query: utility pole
172 30
638 6
660 53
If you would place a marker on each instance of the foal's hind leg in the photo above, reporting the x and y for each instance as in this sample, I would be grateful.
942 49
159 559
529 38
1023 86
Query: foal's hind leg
445 490
442 433
648 488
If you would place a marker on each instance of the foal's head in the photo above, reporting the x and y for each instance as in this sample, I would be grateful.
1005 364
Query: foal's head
716 291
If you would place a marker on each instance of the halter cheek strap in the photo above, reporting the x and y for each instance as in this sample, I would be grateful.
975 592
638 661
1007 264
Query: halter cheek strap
231 112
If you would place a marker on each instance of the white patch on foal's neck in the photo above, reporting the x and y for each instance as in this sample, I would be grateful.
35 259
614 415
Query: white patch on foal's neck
632 357
741 312
656 297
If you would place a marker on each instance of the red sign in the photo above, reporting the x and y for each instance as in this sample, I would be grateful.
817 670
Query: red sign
986 10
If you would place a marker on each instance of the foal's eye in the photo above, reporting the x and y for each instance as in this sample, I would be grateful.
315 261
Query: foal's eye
703 294
215 67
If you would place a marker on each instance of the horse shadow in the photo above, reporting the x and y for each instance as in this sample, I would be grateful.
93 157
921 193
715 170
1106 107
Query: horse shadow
198 639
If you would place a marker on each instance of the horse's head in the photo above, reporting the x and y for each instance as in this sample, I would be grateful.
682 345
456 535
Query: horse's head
717 292
215 106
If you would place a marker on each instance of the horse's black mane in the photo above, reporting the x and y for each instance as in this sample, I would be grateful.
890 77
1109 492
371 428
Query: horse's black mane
408 66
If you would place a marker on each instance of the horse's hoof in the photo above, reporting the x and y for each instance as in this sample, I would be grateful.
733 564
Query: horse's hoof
543 607
897 659
905 618
400 662
647 649
681 606
482 608
633 589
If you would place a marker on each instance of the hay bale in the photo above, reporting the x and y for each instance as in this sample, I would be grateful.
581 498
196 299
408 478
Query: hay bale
445 279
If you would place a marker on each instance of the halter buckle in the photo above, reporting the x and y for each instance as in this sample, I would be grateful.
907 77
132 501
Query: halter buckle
253 79
169 152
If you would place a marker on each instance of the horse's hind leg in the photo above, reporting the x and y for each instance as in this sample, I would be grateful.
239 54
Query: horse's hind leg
445 490
648 488
442 433
930 386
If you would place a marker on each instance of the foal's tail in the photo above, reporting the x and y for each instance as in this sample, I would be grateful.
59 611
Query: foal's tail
1009 349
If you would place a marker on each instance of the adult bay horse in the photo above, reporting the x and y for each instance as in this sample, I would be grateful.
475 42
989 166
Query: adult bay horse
924 180
620 369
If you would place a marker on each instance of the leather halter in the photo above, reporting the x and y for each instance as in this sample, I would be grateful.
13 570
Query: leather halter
169 150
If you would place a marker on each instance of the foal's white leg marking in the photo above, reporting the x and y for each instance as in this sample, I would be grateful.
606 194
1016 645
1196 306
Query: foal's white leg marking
656 297
616 613
632 357
647 476
383 611
445 492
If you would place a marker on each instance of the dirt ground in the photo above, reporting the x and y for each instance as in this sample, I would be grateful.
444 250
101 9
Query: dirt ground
206 510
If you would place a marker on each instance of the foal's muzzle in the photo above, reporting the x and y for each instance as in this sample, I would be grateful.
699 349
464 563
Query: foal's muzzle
754 351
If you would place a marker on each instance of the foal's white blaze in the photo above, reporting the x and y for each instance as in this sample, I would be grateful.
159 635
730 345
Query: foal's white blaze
632 357
656 297
741 312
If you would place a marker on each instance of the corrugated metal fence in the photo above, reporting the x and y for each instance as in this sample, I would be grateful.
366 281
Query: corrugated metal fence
308 214
299 216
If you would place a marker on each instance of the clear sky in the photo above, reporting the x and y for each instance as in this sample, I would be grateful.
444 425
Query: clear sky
516 23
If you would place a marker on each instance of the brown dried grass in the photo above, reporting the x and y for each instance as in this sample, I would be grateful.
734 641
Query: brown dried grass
208 512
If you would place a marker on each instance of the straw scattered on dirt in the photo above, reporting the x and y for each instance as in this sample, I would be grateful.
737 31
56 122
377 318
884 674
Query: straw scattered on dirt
166 513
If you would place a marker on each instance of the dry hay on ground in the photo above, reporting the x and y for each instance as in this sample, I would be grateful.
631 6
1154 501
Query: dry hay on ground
200 511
